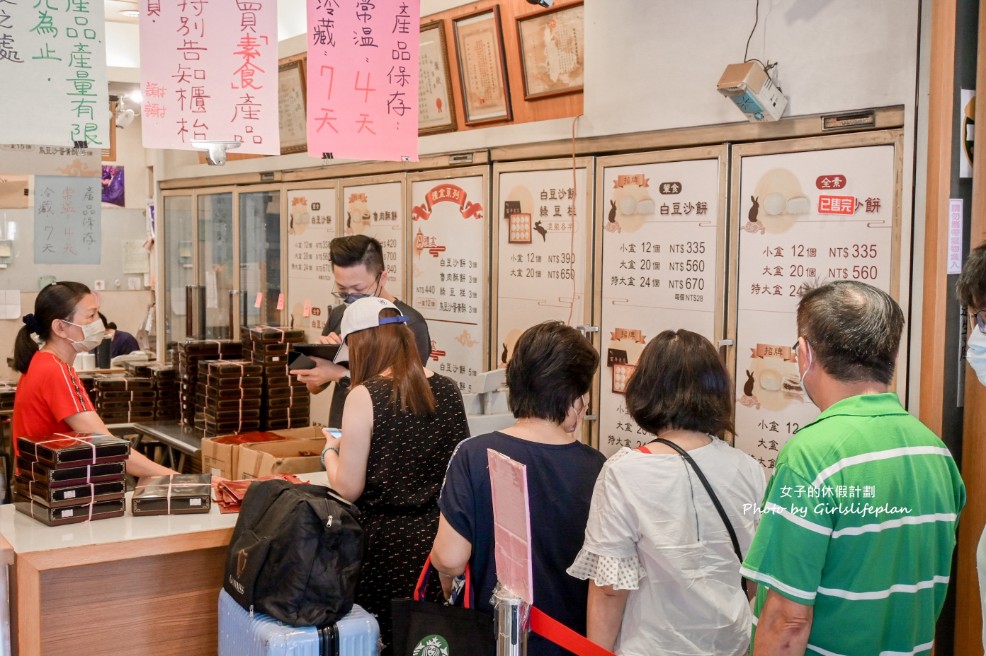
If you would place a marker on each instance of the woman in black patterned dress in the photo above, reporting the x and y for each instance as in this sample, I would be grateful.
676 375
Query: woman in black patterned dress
400 425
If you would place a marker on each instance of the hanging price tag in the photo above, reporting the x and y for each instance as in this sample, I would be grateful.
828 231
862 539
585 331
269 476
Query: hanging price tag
280 301
307 311
260 298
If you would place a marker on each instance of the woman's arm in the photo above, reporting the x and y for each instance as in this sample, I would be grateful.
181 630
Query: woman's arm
604 614
346 470
450 554
137 464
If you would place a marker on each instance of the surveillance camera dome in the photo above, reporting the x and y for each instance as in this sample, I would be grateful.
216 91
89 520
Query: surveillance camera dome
215 153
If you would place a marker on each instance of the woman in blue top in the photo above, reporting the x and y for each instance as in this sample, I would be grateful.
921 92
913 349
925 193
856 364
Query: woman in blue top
548 376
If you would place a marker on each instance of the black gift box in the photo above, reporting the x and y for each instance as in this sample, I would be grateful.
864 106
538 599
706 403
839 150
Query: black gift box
70 476
180 494
61 450
75 495
69 514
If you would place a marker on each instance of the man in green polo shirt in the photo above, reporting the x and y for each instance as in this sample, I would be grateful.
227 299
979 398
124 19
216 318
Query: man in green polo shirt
854 548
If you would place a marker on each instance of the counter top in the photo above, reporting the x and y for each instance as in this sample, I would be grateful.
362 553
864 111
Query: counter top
27 535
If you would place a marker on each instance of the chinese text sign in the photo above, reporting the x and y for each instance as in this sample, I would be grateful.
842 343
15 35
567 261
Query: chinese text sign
54 54
363 79
66 220
209 72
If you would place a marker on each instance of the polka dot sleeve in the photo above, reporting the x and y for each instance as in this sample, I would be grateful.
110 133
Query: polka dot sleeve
621 573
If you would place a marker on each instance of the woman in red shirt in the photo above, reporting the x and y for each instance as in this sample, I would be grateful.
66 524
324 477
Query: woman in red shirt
50 399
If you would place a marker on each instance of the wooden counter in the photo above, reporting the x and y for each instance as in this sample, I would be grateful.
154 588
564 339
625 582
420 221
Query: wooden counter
128 585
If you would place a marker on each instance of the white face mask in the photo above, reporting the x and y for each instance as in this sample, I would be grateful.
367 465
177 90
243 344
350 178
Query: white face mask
92 335
976 353
811 361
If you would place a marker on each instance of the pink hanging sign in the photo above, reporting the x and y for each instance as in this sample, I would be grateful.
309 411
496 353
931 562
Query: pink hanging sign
209 72
363 79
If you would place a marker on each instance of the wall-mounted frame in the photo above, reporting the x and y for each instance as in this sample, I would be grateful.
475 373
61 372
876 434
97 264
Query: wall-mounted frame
552 56
436 108
291 105
482 67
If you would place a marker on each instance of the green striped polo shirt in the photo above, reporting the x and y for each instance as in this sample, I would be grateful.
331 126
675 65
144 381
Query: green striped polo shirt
859 521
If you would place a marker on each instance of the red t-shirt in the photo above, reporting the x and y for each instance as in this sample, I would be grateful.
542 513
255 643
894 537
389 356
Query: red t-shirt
46 395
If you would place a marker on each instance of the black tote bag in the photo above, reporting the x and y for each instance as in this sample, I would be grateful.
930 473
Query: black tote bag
423 627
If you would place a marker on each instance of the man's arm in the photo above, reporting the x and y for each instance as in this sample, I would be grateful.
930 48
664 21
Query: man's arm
783 627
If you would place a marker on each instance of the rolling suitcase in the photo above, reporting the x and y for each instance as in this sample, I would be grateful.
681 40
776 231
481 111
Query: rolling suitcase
244 634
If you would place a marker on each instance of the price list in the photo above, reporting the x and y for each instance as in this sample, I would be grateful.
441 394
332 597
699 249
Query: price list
542 240
375 210
806 218
312 225
659 255
449 272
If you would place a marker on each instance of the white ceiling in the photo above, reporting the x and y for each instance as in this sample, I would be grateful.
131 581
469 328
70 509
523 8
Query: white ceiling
114 7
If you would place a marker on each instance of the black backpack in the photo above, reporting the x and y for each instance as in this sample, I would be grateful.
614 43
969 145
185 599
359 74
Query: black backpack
295 553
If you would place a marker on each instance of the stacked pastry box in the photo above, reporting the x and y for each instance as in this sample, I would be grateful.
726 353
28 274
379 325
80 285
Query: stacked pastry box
190 354
123 399
71 477
178 494
287 403
165 380
7 395
230 397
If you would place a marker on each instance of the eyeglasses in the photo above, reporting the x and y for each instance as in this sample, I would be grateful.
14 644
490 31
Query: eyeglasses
341 295
978 317
794 349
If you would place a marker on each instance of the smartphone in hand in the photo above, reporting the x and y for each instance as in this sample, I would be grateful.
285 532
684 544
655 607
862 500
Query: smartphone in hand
301 361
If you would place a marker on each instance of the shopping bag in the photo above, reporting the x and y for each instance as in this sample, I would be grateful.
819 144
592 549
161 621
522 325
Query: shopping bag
422 627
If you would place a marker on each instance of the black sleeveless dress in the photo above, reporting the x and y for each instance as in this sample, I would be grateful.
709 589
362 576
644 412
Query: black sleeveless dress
399 505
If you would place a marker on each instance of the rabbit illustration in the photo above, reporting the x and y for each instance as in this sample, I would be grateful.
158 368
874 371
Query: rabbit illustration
503 356
748 386
349 220
612 211
754 210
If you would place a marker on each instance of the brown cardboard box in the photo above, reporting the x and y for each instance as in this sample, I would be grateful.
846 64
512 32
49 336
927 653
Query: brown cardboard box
288 457
220 455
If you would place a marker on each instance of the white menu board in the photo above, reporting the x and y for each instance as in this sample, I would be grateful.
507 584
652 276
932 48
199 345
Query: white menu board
312 224
449 271
805 218
542 237
662 223
375 209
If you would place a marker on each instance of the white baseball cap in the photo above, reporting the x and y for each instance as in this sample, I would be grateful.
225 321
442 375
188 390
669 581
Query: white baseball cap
362 314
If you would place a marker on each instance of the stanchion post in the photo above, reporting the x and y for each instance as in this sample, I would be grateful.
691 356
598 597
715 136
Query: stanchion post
511 624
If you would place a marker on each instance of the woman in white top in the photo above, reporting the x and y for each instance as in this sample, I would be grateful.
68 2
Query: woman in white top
665 577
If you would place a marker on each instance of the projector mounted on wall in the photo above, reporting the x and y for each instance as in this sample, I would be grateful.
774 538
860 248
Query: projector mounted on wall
215 153
752 90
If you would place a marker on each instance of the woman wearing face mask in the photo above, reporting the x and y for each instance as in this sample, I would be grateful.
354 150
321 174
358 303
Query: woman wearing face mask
50 398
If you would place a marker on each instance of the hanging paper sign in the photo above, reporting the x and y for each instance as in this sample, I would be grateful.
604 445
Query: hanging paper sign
209 72
363 80
54 53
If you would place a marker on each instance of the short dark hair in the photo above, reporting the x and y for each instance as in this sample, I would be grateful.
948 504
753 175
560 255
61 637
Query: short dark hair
971 287
551 366
353 250
680 383
853 329
56 301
